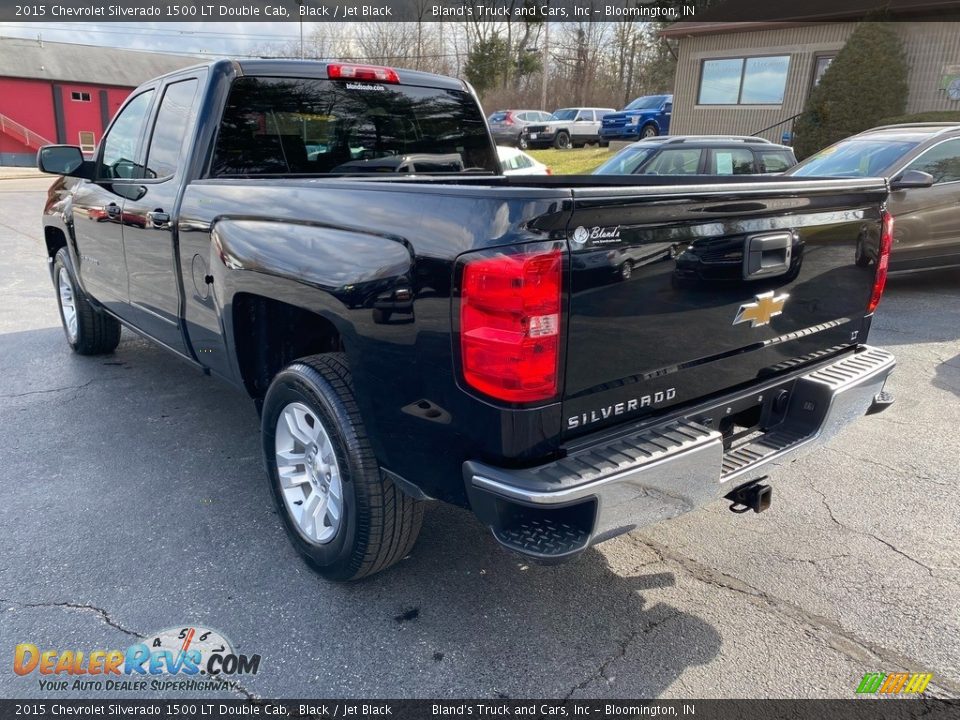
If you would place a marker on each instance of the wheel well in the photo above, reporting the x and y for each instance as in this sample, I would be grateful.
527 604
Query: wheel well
55 239
270 334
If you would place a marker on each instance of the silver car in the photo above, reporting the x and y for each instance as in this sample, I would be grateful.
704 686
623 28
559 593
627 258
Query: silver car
507 126
922 163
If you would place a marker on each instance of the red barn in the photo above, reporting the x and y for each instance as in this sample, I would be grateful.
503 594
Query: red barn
66 93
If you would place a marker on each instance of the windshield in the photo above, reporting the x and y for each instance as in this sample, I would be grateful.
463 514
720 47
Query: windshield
854 158
646 103
625 162
306 126
565 114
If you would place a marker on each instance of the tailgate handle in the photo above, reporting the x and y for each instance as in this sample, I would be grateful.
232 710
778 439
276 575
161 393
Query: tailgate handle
767 255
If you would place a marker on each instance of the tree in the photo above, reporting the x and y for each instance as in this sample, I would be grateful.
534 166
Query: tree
486 62
866 82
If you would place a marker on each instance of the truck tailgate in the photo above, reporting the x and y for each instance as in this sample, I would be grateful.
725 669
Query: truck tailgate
681 293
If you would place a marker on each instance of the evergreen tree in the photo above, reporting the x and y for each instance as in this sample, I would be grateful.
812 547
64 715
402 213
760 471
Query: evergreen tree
865 83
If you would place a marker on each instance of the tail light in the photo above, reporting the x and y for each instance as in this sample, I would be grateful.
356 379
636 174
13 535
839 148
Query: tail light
549 171
508 119
362 72
510 325
883 260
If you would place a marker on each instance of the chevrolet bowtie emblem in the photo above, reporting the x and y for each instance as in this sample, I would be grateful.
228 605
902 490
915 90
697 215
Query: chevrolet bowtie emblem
759 312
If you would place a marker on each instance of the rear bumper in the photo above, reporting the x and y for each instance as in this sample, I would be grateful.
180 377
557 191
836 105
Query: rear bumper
557 510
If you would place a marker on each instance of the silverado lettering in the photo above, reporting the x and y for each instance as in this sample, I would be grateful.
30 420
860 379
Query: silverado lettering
338 242
620 408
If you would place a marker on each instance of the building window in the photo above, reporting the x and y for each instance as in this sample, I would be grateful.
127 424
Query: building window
88 142
820 65
744 81
80 96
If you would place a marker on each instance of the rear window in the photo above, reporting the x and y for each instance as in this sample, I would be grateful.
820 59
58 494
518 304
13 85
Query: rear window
498 117
775 161
308 126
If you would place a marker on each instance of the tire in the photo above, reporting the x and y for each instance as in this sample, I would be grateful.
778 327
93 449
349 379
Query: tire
522 142
648 131
562 140
377 524
604 143
626 270
88 331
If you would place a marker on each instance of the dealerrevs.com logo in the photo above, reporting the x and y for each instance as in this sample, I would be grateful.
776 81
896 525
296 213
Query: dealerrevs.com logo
184 658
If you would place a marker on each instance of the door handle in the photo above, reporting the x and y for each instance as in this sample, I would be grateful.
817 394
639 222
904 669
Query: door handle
158 218
767 255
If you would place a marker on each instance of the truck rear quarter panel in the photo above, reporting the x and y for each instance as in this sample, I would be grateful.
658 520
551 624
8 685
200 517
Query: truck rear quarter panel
350 252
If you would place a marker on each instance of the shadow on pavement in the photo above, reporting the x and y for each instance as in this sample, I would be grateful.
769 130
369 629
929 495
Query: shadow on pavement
140 485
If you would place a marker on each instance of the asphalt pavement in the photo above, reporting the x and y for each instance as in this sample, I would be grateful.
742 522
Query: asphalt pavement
132 499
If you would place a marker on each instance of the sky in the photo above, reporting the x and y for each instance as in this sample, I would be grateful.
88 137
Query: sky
223 38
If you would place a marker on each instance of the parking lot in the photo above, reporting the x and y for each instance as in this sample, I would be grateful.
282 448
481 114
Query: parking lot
132 499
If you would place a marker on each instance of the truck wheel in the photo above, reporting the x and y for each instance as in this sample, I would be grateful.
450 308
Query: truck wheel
88 331
341 513
626 270
562 140
648 131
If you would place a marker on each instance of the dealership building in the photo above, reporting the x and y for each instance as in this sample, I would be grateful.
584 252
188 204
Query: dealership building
66 93
753 78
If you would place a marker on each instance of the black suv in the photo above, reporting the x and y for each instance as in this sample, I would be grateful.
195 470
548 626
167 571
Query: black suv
700 155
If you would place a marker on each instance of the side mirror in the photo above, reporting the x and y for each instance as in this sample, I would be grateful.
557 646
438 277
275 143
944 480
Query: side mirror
63 160
668 108
911 179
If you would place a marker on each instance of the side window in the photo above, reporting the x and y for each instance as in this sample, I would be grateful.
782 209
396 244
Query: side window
585 115
773 162
941 161
523 162
545 116
120 146
732 161
678 161
170 129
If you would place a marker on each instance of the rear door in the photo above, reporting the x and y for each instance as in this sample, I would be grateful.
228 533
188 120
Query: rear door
726 284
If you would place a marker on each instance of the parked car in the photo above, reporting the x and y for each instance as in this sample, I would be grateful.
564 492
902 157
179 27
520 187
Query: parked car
922 163
571 127
645 117
700 155
507 126
460 338
517 162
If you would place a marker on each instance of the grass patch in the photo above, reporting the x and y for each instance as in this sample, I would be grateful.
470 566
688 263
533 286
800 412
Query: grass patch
572 162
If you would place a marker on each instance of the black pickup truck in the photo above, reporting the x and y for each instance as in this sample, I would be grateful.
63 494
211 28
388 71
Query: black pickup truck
569 357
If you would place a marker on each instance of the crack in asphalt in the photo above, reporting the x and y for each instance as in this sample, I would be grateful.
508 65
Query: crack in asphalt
78 388
877 538
232 685
624 645
104 615
833 634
